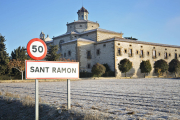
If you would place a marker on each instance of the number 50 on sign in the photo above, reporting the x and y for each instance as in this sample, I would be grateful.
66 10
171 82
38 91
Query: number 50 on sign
36 49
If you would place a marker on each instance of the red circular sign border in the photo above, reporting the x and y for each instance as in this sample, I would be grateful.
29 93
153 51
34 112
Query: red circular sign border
28 48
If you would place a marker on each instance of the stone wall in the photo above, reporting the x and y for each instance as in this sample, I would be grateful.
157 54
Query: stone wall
91 26
69 47
137 58
91 36
65 38
82 49
81 27
70 27
104 35
106 54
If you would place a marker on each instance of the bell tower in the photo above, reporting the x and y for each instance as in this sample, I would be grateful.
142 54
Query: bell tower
82 14
42 36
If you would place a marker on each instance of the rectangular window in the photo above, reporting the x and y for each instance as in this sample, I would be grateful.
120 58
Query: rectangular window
88 54
130 52
64 54
125 51
89 66
119 51
148 53
154 53
165 55
175 56
141 53
98 51
69 53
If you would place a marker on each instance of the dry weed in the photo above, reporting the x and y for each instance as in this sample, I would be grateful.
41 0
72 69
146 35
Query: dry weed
27 101
8 94
40 100
16 96
130 113
93 117
0 93
95 108
63 106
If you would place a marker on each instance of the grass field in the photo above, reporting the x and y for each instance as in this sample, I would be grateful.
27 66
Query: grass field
151 98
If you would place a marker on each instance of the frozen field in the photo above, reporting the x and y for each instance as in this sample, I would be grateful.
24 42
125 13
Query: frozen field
122 99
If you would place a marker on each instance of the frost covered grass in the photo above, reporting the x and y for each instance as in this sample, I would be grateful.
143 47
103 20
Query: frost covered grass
151 98
23 108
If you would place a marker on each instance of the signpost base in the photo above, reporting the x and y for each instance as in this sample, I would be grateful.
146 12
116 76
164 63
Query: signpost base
36 100
68 95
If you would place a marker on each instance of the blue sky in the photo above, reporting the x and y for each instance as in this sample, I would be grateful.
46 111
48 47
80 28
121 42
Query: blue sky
155 21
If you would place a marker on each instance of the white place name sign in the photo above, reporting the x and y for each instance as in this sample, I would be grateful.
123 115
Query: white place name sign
51 70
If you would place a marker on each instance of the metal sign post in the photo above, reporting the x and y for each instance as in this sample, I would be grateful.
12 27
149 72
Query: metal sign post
68 94
37 50
36 100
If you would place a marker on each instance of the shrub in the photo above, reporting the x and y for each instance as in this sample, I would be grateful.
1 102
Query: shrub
108 72
161 65
107 67
98 70
5 77
145 67
125 65
174 66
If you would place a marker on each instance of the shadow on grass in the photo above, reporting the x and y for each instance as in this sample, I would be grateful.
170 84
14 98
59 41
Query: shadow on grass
15 110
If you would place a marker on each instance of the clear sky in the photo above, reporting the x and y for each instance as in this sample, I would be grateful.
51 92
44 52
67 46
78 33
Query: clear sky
155 21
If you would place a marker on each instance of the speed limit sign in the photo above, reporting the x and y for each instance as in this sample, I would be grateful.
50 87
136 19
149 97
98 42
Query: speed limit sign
36 49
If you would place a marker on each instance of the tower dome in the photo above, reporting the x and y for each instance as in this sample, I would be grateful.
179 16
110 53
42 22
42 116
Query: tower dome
82 14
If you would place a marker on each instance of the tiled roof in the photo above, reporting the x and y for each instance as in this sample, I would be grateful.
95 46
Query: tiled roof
66 34
138 42
97 29
80 39
82 10
147 43
104 30
81 21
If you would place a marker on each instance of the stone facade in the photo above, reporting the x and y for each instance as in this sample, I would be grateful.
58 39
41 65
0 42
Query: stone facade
88 44
142 51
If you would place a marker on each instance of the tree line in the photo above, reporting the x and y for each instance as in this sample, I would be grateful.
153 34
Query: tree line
13 66
160 66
